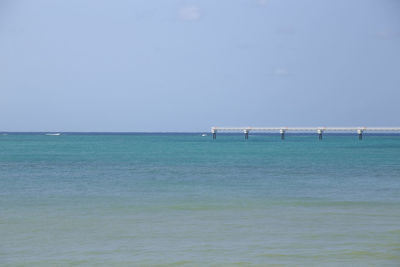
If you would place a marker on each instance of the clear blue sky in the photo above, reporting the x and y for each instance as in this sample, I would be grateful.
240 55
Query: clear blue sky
176 65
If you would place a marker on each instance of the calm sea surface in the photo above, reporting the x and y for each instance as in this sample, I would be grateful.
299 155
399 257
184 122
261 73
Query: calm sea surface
186 200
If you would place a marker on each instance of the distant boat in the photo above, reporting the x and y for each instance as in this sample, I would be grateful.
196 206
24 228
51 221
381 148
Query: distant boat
54 134
204 135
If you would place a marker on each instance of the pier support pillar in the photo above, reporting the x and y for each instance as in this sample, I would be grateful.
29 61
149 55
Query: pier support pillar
320 131
246 134
282 132
360 134
214 133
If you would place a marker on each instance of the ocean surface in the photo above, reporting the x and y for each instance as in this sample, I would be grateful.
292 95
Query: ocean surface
186 200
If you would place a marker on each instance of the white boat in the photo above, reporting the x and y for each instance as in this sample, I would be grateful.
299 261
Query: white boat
54 134
204 135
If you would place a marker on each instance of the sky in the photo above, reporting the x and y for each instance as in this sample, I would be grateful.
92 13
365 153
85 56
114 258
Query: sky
177 65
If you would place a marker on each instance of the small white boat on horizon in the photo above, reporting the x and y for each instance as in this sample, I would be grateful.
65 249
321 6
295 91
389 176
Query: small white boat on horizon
53 134
204 135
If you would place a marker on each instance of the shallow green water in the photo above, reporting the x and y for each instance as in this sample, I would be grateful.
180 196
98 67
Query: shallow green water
186 200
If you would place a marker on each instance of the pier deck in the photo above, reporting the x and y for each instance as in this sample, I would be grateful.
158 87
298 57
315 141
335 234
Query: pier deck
319 130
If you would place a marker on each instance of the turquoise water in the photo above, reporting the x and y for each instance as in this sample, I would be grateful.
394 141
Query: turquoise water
186 200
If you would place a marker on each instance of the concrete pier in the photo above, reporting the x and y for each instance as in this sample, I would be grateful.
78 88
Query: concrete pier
318 130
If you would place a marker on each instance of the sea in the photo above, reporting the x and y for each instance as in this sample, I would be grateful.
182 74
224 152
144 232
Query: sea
183 199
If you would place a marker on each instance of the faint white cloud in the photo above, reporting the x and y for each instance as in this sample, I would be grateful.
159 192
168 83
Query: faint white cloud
262 2
387 34
288 30
281 72
189 13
